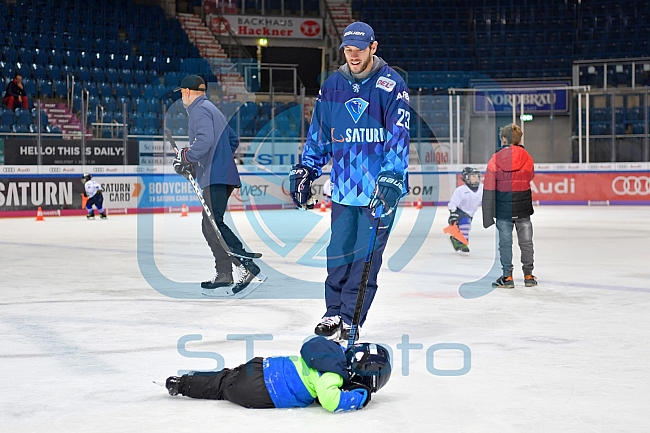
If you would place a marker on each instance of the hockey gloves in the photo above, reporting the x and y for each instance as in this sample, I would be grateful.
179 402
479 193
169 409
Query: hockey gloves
182 166
353 397
453 217
388 191
300 179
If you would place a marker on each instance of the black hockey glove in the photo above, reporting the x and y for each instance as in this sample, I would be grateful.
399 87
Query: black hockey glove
300 179
182 166
388 191
453 217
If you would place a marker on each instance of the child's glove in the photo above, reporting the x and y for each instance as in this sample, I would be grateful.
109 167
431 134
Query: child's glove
453 217
354 396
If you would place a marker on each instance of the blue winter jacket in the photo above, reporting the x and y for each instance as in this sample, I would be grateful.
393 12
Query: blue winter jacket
212 144
319 372
364 128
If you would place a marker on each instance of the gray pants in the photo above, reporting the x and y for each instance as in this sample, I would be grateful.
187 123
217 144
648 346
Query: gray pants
524 238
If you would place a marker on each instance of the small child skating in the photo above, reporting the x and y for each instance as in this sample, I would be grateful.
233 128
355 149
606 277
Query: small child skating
339 381
463 205
93 191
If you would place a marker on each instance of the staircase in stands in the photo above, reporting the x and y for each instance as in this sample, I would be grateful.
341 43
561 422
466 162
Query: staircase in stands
341 13
232 82
59 115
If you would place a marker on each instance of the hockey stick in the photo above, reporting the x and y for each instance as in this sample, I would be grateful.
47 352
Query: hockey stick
364 277
206 209
453 231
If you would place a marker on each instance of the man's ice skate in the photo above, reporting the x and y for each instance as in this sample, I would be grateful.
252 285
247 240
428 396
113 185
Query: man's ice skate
247 277
172 384
530 280
504 282
345 333
219 280
328 326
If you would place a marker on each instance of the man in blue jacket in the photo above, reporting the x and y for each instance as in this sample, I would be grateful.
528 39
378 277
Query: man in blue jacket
361 122
209 158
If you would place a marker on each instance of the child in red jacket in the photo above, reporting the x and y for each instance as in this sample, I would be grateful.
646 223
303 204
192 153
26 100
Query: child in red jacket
508 198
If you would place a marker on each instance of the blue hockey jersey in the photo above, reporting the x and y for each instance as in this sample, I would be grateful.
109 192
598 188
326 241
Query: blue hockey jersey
364 128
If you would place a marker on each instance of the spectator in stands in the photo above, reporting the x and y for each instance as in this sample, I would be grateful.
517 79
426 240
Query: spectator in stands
210 160
15 96
508 198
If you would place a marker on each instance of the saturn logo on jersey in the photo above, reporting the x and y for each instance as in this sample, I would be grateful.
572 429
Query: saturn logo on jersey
361 135
385 83
356 107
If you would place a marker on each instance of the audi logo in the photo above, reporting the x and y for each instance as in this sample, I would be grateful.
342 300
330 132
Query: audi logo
631 185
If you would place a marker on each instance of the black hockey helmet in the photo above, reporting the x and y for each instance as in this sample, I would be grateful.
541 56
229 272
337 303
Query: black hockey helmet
86 177
369 364
467 174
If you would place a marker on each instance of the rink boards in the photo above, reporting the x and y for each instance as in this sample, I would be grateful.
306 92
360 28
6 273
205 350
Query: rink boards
135 189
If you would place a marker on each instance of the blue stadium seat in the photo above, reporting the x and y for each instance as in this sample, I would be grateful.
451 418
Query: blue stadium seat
83 74
38 71
109 103
112 75
119 89
45 88
140 77
126 76
20 129
8 117
105 89
150 130
134 90
60 88
30 85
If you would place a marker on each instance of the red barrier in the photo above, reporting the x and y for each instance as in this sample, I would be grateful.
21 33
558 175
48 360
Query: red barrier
592 187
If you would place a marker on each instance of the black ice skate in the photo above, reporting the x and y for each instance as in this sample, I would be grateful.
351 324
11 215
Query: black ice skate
328 326
172 384
90 216
248 271
219 280
103 215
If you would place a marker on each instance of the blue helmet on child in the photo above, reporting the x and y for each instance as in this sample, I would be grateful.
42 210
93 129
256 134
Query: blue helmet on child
369 365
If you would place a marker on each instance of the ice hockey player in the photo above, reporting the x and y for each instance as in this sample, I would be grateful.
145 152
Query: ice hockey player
361 123
463 205
339 381
93 191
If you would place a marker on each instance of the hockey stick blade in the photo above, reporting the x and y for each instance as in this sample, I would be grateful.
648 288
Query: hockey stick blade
208 212
453 231
159 383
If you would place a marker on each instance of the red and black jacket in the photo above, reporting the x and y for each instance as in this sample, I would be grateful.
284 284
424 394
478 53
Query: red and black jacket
506 188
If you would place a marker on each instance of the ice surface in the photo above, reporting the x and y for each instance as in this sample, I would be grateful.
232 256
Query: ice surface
84 333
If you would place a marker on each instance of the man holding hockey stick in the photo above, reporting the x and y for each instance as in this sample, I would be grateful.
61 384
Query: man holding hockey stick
360 121
209 160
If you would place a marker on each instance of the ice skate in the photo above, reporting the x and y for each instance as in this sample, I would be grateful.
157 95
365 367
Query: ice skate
90 216
328 326
172 384
219 280
103 215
